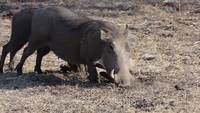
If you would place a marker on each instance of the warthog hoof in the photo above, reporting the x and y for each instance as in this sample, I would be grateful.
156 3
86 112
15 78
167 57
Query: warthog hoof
1 70
94 79
11 66
39 71
19 70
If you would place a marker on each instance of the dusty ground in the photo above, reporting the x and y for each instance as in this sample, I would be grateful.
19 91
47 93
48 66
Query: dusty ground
168 82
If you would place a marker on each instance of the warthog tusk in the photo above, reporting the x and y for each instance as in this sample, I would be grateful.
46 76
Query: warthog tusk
112 74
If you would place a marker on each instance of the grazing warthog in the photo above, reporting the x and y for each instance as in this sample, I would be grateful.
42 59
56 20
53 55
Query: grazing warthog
77 39
21 30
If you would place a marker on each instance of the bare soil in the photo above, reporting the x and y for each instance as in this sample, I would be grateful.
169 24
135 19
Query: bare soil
165 57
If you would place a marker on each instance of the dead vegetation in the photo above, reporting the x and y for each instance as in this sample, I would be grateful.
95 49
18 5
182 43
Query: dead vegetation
165 49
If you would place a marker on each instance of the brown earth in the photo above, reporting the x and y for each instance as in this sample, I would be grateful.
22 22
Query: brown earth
165 53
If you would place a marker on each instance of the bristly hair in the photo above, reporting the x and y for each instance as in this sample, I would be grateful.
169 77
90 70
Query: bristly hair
109 28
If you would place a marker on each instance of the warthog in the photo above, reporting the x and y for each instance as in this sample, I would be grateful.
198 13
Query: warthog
21 29
77 39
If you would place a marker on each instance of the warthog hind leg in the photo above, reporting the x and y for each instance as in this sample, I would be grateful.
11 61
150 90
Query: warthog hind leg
12 60
26 53
5 51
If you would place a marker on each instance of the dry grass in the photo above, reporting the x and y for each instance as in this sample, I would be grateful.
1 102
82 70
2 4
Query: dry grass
168 83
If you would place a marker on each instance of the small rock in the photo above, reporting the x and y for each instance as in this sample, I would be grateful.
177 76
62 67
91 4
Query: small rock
148 57
178 87
172 103
170 1
15 87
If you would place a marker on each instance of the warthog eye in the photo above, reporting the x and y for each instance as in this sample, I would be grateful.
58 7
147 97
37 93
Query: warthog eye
111 47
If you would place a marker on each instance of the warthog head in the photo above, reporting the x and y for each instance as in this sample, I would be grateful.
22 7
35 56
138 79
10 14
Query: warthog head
109 51
115 57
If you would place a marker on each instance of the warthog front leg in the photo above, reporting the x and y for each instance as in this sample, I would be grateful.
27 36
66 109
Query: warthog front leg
40 54
93 75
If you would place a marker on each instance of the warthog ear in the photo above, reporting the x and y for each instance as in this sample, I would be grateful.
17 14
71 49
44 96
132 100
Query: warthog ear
105 35
126 35
126 31
91 45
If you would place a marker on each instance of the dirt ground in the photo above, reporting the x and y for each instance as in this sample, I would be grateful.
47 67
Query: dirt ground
164 38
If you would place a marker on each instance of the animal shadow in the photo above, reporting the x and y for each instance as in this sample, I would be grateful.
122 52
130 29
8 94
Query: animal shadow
12 81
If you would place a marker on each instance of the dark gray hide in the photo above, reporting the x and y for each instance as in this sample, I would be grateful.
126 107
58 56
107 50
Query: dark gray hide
73 38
